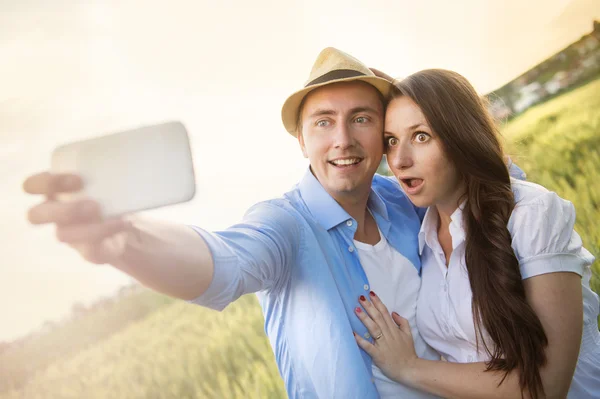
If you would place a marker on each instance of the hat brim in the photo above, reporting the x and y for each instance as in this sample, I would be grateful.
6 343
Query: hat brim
289 111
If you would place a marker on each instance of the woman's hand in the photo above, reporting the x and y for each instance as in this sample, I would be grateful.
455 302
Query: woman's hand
392 349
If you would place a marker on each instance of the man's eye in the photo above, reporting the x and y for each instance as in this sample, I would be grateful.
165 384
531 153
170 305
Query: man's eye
322 123
361 119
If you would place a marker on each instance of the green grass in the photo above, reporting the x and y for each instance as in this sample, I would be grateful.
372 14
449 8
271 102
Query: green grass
183 351
25 357
178 351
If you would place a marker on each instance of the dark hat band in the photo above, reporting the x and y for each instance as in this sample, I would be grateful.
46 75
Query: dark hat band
334 75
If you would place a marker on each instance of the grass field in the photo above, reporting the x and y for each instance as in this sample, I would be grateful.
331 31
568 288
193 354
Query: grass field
183 351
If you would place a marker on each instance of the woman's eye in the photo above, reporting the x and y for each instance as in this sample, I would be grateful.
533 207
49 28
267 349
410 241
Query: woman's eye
391 141
422 137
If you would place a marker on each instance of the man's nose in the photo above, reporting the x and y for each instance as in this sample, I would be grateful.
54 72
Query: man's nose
343 136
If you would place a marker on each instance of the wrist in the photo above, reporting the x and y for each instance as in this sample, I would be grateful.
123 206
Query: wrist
411 373
125 244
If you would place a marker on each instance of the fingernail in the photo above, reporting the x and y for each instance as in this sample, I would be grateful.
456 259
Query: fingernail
372 293
394 313
358 310
353 333
362 298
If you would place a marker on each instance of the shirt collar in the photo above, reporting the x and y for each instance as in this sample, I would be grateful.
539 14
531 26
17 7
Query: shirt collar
326 210
457 230
429 227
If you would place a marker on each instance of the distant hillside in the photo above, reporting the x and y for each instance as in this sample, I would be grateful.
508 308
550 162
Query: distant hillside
573 65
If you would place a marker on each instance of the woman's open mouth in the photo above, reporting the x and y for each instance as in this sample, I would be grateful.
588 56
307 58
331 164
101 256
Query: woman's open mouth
412 185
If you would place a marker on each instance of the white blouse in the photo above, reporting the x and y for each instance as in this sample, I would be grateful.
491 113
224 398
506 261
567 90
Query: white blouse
543 239
396 282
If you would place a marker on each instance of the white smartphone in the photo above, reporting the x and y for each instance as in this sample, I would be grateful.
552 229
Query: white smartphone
132 170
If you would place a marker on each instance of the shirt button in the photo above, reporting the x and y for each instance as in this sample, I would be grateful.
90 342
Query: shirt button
351 248
366 287
349 223
367 335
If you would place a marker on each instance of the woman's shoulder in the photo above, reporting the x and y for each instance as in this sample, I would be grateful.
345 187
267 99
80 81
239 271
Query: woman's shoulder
542 229
526 192
531 195
539 213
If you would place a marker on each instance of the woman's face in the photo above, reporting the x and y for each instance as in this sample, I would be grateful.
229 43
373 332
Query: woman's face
416 156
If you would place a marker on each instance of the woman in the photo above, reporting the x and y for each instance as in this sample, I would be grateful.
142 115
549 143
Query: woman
505 279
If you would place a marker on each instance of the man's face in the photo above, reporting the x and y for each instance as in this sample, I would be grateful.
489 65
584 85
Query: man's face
342 136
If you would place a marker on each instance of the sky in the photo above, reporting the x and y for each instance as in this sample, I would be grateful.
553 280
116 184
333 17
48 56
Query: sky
70 70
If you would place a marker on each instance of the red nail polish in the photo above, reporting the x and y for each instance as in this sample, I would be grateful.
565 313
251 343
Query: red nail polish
358 310
362 298
353 333
372 293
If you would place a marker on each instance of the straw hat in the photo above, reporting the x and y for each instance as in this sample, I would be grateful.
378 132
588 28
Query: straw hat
331 66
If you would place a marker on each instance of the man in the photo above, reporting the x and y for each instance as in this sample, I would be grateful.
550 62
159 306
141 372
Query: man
338 235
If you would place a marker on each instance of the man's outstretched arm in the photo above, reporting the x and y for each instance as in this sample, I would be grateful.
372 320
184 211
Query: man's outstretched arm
170 258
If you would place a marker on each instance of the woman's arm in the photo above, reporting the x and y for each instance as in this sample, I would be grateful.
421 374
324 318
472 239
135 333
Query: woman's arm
555 297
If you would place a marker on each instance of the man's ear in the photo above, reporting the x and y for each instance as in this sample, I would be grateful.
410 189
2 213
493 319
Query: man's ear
302 146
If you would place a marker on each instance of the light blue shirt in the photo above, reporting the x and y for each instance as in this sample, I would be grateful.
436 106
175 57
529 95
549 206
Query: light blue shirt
297 253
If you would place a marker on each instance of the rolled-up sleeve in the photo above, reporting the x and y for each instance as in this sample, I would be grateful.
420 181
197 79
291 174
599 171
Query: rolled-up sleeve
544 240
251 256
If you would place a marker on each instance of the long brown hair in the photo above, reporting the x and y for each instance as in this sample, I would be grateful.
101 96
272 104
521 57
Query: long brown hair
459 116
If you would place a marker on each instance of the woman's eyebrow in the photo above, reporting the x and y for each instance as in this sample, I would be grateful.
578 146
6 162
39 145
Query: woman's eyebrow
416 125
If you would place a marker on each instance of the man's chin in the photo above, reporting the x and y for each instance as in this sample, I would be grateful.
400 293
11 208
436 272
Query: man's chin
353 188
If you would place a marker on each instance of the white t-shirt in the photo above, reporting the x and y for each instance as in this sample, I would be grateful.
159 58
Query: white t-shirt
543 239
396 281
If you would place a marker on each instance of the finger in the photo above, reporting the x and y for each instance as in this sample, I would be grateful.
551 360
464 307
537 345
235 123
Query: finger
49 184
92 232
372 327
374 314
383 310
75 212
365 345
401 322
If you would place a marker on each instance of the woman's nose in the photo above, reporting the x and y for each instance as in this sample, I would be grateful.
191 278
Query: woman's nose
400 157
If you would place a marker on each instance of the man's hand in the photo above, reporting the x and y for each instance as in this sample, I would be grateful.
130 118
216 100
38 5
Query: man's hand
78 223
